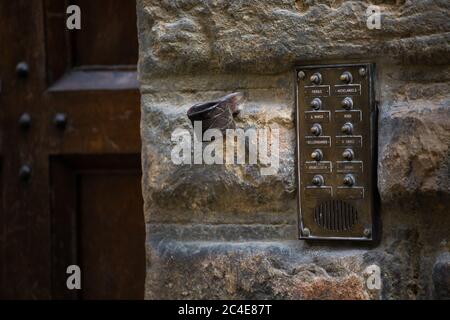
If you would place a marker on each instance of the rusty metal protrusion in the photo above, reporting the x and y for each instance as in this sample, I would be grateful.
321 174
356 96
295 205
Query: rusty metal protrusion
217 114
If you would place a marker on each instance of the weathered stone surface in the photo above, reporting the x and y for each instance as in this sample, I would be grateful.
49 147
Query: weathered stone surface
441 277
216 193
254 270
270 36
414 152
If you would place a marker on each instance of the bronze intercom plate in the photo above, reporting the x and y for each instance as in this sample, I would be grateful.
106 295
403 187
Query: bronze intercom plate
336 117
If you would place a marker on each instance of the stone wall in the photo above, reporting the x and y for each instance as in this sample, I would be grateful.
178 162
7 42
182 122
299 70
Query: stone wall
226 231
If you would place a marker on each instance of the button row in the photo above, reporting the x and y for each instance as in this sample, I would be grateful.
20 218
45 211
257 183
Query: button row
317 78
316 129
347 154
346 103
348 180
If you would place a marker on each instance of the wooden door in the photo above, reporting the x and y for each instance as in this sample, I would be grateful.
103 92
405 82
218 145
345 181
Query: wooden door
70 151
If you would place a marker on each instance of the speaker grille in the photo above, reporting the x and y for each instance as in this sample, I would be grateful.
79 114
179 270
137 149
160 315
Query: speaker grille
335 215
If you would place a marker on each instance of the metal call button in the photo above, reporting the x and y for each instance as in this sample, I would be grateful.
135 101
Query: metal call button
317 180
347 103
316 104
349 180
316 78
346 77
317 155
347 128
348 154
316 129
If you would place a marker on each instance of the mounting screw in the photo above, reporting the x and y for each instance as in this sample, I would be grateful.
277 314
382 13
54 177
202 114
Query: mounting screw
362 71
22 69
367 232
25 173
301 75
60 121
306 232
25 121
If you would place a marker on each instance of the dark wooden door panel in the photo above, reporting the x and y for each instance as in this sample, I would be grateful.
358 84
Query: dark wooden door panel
112 235
105 36
96 122
82 203
100 197
25 220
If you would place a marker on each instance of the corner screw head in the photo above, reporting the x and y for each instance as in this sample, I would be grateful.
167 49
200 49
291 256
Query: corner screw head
301 75
367 232
306 232
362 71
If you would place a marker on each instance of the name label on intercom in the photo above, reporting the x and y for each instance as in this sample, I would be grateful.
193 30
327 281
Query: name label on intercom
336 118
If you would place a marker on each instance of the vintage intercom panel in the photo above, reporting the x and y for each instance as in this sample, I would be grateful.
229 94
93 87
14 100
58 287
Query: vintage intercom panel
336 117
